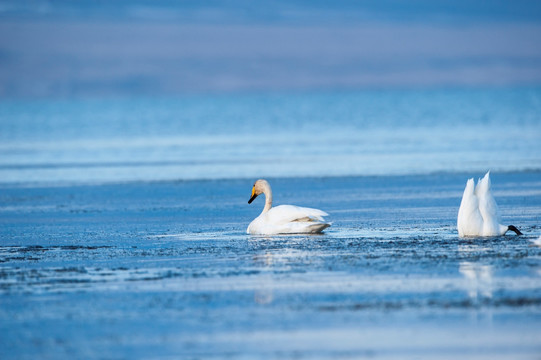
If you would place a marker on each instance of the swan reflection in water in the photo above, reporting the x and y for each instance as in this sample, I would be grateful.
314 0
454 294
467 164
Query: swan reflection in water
273 265
263 293
478 280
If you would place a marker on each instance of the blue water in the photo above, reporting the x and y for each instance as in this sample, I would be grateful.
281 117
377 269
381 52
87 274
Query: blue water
289 134
131 134
123 226
298 10
165 269
66 49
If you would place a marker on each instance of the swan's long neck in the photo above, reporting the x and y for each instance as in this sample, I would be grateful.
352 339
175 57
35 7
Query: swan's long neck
268 198
514 229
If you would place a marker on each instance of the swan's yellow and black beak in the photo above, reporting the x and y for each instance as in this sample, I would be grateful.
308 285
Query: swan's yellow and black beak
254 195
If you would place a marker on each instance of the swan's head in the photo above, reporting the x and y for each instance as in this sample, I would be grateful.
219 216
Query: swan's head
259 187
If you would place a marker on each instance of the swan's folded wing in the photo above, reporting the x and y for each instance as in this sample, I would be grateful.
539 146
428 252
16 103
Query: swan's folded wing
304 227
284 214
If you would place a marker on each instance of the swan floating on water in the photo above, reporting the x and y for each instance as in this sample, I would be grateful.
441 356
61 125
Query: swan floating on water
284 219
478 214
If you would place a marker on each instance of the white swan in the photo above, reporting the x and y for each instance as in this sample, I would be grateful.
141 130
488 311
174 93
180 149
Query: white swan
284 219
478 214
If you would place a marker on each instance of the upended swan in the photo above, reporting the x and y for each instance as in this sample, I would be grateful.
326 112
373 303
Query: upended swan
478 214
284 219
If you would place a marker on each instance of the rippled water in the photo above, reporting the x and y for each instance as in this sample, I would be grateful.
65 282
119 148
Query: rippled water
270 135
120 238
165 269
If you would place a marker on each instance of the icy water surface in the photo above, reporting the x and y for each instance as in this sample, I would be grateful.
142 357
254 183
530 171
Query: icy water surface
165 270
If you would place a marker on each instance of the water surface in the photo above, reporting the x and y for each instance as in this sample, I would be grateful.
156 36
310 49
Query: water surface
165 269
122 226
340 133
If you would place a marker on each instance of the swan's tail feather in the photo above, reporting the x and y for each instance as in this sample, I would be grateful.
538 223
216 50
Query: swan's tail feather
469 220
483 185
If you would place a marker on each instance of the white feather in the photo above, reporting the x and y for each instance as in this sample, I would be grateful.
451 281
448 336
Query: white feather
478 214
285 219
469 219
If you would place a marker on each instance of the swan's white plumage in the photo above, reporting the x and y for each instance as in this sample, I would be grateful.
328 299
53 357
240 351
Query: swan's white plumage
288 219
478 214
469 219
284 219
488 208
